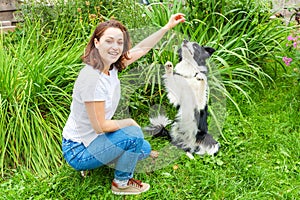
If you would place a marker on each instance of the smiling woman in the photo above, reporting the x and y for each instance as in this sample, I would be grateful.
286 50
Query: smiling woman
109 38
91 138
110 47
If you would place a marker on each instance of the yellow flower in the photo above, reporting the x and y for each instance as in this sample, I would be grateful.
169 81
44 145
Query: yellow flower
92 16
175 167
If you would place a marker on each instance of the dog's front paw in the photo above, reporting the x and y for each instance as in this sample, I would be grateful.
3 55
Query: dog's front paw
169 67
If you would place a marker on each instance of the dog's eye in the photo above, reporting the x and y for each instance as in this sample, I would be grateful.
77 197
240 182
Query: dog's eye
196 46
197 49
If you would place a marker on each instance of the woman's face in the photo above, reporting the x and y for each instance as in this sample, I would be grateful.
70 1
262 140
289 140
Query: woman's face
110 45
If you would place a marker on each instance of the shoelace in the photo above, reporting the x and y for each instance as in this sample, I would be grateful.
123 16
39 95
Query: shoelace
134 182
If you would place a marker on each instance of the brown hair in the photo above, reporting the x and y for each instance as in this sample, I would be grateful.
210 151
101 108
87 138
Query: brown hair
91 55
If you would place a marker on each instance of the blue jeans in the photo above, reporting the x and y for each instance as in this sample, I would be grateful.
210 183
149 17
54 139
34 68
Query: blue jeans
123 147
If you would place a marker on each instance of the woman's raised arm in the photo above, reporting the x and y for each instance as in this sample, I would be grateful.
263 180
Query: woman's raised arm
148 43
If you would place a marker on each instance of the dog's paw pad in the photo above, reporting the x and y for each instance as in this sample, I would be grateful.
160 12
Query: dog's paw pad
169 64
169 67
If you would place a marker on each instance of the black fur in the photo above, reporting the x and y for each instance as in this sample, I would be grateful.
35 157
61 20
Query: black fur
201 118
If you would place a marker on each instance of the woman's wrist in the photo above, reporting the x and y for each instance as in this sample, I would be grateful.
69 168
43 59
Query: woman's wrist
133 122
166 27
130 122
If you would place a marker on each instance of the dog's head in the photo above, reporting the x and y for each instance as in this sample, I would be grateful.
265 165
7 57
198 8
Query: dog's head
192 51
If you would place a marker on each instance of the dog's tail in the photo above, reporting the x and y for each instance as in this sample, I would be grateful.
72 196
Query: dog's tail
157 127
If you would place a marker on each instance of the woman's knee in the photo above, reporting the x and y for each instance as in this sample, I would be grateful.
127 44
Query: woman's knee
134 131
145 150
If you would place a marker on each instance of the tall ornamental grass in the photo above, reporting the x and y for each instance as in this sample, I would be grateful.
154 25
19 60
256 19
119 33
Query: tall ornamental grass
36 76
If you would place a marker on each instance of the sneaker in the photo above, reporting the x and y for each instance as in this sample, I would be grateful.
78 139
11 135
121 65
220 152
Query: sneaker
133 187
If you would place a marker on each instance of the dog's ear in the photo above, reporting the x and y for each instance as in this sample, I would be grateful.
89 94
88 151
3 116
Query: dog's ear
210 50
179 54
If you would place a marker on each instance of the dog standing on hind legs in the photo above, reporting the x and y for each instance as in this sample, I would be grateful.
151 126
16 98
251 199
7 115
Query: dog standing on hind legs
187 89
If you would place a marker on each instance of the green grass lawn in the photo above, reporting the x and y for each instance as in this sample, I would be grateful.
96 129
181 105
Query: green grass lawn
259 159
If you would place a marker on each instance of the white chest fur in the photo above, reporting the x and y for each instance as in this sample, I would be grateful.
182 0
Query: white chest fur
195 85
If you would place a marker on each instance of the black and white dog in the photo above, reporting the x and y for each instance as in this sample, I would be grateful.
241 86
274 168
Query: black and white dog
187 89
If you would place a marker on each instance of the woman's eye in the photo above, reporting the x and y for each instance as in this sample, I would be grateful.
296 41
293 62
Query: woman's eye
120 43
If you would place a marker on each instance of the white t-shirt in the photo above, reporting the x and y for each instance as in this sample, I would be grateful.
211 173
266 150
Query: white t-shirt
91 85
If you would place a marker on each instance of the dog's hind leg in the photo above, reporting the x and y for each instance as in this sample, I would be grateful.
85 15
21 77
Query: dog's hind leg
201 118
207 144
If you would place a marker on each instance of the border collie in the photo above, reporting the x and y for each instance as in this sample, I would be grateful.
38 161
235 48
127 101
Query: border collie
187 89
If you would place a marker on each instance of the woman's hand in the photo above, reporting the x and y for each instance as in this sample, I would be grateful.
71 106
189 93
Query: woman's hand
126 122
174 20
132 122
